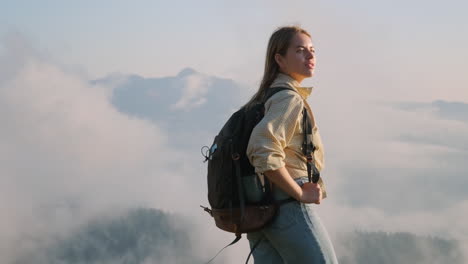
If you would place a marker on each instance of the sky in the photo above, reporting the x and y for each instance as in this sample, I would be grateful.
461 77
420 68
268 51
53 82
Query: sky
395 157
156 38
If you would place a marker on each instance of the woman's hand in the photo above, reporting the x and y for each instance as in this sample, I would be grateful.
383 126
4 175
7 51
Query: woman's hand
311 193
308 193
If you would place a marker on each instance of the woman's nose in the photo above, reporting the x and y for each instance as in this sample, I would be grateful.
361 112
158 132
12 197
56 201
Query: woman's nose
310 54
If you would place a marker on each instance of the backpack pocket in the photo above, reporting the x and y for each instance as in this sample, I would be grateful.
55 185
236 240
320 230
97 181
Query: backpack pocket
253 188
222 187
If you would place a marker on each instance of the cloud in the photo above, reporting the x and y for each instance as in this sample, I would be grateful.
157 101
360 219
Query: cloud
68 155
73 150
394 168
60 129
196 86
443 109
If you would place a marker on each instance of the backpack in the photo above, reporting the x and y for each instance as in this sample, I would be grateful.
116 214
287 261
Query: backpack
229 167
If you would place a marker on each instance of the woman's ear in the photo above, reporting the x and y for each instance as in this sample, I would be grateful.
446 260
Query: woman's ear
279 60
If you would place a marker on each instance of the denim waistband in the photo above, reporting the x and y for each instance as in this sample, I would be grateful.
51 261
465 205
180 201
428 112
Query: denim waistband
281 195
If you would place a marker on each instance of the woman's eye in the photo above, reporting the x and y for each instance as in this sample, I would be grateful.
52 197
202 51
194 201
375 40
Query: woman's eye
302 50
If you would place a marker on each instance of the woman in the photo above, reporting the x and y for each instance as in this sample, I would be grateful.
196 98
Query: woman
296 235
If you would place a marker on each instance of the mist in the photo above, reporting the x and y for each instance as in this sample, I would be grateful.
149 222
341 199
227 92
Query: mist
75 151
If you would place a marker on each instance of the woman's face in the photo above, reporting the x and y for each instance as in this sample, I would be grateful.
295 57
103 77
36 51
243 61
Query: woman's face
299 61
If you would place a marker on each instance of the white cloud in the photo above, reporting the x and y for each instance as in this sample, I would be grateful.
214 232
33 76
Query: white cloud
68 155
393 170
195 87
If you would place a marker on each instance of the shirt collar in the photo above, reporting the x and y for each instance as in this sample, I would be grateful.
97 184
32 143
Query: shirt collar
286 80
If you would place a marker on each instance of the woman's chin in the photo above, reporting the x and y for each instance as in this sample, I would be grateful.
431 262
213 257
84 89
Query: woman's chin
309 74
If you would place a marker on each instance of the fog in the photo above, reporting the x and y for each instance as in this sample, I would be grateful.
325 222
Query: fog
71 153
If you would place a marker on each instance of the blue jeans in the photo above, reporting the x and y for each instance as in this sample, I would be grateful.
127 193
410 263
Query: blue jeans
296 236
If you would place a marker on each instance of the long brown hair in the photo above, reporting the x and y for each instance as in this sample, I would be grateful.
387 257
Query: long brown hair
278 43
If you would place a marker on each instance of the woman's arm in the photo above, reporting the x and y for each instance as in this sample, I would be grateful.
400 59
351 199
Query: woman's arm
271 136
308 193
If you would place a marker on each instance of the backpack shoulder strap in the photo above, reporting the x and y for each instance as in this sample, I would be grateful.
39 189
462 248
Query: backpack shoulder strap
308 147
238 237
273 90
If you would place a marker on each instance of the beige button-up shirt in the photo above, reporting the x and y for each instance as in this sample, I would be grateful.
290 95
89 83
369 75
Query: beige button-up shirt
276 140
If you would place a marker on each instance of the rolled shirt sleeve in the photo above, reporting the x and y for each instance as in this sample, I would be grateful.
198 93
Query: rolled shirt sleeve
273 133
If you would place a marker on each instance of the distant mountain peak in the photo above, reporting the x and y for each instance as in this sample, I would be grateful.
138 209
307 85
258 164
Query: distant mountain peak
186 72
